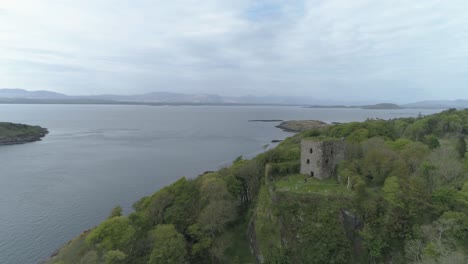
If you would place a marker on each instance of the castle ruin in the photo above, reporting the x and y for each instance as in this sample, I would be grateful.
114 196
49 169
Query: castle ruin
320 158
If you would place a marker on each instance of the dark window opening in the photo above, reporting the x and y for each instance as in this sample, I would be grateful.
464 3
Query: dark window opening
311 150
311 174
326 161
308 161
331 151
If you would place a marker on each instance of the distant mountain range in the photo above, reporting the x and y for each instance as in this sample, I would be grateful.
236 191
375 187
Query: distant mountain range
13 95
24 94
162 98
460 103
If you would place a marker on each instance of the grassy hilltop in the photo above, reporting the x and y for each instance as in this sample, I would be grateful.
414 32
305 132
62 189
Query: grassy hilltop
11 133
400 196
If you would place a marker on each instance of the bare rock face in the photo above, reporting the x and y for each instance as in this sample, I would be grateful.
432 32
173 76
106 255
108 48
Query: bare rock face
301 125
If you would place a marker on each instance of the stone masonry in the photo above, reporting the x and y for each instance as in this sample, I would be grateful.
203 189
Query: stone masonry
320 158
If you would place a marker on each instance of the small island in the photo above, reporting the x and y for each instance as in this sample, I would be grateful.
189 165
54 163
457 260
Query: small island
12 133
381 106
301 125
384 106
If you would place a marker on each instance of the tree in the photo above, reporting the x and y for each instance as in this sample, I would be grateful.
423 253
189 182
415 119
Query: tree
159 203
392 192
202 240
413 250
413 154
183 210
249 174
461 147
432 141
213 188
113 233
462 195
91 257
381 162
358 135
114 257
117 211
373 242
217 214
449 169
427 173
168 246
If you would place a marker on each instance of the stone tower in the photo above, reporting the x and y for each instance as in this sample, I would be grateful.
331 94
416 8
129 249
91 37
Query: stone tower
320 157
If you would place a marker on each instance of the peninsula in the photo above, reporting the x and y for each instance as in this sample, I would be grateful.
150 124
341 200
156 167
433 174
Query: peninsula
12 133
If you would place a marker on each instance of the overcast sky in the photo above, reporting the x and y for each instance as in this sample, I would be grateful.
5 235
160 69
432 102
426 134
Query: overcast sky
330 49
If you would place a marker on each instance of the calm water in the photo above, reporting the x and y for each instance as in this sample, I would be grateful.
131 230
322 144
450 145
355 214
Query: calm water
97 157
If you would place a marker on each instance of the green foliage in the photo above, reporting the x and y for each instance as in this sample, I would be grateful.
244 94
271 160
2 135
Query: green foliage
267 229
284 168
113 233
182 209
461 147
114 257
462 195
117 211
201 239
312 228
373 242
91 257
399 144
359 131
216 215
380 162
358 135
168 246
238 159
392 192
432 141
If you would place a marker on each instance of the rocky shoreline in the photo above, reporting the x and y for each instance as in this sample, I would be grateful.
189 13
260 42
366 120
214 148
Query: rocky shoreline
11 133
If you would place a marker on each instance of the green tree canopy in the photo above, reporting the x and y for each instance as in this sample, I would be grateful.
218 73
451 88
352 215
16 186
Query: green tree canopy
168 246
113 233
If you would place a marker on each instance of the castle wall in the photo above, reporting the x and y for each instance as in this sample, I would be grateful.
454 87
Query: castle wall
310 161
324 159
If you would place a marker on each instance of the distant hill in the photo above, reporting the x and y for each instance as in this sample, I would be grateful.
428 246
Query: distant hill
439 104
154 97
20 93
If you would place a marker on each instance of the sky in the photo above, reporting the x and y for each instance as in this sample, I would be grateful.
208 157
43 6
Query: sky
394 50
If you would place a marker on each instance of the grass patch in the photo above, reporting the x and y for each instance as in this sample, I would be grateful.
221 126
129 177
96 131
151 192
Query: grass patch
297 184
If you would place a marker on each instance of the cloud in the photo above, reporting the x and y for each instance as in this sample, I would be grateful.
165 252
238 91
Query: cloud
323 48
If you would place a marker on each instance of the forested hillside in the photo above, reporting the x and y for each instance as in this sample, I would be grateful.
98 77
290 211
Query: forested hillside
400 196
